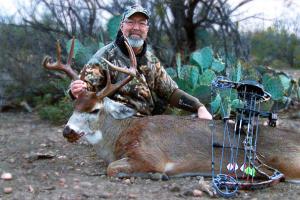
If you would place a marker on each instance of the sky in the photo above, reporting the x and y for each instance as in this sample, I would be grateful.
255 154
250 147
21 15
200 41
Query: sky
266 9
269 10
8 6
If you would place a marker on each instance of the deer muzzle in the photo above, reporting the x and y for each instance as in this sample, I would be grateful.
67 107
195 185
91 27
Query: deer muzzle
71 135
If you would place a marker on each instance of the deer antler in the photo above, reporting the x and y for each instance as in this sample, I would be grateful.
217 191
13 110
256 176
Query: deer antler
111 88
132 70
58 65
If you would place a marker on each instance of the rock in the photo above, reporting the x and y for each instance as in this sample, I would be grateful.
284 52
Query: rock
76 180
7 190
62 157
174 188
132 196
6 176
30 189
48 188
33 156
188 193
197 193
62 182
155 176
76 187
132 179
127 181
86 184
43 145
205 186
105 195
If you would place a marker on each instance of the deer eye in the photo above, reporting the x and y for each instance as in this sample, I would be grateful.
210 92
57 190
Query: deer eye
95 111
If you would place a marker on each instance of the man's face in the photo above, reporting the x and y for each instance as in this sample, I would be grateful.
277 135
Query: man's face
135 28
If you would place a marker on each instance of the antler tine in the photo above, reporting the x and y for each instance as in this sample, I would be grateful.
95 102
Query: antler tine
133 64
58 65
119 69
131 54
111 88
71 53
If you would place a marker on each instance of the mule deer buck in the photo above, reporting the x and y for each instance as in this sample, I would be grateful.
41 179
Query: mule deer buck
163 143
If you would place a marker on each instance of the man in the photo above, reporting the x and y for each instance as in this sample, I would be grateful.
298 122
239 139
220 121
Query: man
153 90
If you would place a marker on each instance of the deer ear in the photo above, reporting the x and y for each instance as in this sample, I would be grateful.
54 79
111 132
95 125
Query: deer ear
117 110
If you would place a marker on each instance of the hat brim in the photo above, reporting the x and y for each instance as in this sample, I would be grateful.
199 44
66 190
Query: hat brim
135 12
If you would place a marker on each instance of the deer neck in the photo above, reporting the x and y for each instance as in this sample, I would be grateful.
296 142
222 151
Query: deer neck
110 129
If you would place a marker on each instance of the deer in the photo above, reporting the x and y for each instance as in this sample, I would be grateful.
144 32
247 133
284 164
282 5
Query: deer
165 144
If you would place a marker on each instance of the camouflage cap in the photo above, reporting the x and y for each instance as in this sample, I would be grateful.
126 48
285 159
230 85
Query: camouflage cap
135 9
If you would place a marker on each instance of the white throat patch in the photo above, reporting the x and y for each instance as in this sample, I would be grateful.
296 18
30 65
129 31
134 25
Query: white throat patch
94 138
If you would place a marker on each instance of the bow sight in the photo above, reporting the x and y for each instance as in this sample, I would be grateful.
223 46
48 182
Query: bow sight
240 166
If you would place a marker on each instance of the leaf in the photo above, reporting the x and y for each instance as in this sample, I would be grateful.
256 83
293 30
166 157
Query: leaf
237 103
215 104
101 44
193 76
285 81
190 74
238 72
217 65
266 77
171 71
274 87
182 72
207 77
225 107
202 58
178 64
183 85
203 93
266 106
113 26
250 73
235 73
231 93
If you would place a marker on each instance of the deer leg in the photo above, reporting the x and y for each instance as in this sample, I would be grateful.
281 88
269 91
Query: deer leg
123 165
128 166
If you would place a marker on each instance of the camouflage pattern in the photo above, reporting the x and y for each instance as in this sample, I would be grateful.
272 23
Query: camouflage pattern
148 93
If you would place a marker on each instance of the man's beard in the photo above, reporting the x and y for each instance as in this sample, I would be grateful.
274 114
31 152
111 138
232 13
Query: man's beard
135 42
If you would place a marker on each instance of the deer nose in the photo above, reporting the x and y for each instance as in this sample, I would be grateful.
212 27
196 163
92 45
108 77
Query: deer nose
71 135
66 132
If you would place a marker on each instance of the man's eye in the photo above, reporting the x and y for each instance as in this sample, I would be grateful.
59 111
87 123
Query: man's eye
130 22
95 111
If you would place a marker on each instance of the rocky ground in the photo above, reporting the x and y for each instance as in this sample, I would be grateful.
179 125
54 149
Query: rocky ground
44 165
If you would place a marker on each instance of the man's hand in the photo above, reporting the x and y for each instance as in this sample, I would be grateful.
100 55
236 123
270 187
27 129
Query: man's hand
203 113
77 87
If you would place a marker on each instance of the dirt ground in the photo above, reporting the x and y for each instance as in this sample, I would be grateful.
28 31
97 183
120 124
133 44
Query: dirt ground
45 166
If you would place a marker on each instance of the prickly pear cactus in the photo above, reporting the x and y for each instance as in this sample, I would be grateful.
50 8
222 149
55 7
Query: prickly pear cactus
113 26
202 58
197 82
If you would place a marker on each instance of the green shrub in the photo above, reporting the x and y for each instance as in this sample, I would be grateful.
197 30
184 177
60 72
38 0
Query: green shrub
58 113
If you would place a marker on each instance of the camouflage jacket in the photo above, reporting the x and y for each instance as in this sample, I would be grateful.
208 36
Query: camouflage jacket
148 94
